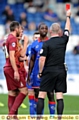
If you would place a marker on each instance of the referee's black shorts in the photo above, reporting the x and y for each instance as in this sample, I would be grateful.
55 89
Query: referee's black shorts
55 80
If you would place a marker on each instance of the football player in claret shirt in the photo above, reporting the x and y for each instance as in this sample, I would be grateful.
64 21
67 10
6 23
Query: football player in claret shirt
34 67
14 71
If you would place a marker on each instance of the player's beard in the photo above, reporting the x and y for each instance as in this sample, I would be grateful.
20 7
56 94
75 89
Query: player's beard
44 35
17 35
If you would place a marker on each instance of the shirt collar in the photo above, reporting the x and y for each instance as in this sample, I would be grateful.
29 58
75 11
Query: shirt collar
39 40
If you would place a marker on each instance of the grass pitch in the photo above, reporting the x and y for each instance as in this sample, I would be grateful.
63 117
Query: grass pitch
71 105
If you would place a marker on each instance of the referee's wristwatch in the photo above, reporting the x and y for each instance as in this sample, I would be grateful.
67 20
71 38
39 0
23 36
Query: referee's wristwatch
68 17
40 74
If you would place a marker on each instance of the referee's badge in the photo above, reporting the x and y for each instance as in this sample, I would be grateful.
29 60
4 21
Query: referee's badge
66 33
41 51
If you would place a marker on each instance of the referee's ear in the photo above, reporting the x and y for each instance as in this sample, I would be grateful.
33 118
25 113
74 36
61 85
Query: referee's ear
60 33
50 32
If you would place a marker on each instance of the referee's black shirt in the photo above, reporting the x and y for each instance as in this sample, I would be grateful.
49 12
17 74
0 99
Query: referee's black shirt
54 51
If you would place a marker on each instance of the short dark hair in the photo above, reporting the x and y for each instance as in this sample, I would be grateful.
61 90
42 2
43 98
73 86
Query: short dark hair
42 23
36 33
13 25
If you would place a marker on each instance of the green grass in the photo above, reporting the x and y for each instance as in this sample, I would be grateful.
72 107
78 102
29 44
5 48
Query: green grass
71 105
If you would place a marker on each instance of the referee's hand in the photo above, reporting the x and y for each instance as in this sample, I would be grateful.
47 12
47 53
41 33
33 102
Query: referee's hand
39 75
68 13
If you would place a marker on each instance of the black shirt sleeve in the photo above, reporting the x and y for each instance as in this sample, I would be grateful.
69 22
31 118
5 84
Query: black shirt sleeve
66 35
66 32
44 50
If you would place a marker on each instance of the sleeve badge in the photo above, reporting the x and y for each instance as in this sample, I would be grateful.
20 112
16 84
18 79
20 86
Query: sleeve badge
13 44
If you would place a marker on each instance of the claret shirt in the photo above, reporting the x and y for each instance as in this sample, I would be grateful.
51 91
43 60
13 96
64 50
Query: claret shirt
10 45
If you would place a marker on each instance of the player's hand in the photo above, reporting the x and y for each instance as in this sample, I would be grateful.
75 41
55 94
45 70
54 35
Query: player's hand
68 13
25 39
16 75
22 58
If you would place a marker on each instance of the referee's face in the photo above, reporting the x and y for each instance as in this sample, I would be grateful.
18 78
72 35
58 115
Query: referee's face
43 30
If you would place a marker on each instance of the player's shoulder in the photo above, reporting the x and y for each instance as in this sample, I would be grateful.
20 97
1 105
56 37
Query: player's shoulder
10 36
29 46
34 43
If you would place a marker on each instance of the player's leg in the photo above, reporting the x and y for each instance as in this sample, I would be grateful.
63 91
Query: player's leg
51 103
36 84
19 99
31 101
31 95
23 91
11 98
36 92
12 92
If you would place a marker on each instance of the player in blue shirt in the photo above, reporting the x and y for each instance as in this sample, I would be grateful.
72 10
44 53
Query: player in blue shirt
36 35
34 67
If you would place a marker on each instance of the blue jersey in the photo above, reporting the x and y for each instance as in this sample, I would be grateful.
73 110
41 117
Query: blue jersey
35 50
28 53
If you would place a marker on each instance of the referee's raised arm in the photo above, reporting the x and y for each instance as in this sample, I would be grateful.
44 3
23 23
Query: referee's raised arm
68 15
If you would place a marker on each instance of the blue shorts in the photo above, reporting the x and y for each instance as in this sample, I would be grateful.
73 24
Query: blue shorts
29 86
36 81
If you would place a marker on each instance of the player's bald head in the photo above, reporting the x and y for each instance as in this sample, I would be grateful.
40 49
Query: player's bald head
55 28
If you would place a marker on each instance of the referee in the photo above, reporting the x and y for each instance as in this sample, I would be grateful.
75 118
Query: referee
52 58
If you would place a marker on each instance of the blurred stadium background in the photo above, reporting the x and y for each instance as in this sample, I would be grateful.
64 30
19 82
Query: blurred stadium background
30 13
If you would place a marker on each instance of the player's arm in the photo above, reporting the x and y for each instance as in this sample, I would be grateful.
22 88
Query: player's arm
67 25
12 60
32 59
12 47
23 58
23 51
13 63
31 65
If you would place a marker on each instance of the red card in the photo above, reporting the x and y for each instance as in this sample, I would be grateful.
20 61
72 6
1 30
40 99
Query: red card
67 6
